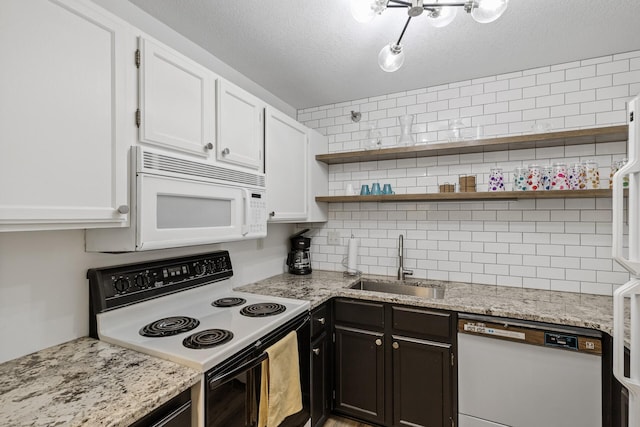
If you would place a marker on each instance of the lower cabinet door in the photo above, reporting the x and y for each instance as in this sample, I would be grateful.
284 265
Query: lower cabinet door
359 366
319 381
421 383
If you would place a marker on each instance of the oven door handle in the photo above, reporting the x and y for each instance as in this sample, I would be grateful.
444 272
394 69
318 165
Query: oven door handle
216 381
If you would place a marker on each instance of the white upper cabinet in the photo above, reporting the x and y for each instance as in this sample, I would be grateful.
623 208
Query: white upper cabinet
286 169
67 69
240 127
177 100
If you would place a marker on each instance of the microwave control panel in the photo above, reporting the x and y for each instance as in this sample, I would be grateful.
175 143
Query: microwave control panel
257 221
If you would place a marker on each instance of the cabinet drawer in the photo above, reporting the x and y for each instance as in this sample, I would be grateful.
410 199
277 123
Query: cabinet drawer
359 313
422 323
319 320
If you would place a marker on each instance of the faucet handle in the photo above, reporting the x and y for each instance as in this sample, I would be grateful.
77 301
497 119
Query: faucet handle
408 272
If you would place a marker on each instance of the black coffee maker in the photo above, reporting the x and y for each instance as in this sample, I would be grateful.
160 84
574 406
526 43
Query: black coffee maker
299 258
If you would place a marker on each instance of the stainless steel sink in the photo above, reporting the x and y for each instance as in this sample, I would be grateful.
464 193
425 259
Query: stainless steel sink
402 288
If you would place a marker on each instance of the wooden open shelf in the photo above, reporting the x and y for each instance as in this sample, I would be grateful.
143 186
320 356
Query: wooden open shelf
485 195
539 140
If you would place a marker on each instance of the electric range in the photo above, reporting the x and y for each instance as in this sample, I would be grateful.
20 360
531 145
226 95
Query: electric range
191 314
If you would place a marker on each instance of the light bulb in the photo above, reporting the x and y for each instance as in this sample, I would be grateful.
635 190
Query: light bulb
363 10
391 57
442 16
486 11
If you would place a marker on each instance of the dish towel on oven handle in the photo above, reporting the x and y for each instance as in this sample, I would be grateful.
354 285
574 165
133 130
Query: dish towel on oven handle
280 394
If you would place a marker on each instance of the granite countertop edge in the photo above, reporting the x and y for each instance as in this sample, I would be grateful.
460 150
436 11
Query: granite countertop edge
81 382
88 382
557 307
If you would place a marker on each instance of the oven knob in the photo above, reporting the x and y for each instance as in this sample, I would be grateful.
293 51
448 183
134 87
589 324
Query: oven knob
200 269
141 281
121 284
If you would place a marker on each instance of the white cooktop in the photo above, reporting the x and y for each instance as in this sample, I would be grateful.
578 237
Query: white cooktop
122 326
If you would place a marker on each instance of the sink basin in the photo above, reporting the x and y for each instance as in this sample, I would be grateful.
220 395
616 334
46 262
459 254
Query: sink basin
402 288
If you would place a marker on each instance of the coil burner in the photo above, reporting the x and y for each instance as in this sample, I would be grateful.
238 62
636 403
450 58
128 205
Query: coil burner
169 326
263 309
228 302
207 338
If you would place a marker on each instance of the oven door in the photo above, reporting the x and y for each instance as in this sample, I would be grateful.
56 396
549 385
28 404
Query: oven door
177 212
233 390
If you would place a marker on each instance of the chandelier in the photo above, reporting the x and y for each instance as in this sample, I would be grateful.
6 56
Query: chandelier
439 14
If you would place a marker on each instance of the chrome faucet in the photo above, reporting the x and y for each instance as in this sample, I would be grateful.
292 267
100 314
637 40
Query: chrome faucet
401 270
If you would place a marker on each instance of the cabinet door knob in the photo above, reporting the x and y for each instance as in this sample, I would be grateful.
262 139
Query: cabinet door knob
378 342
395 345
209 146
272 213
316 351
321 320
225 151
124 209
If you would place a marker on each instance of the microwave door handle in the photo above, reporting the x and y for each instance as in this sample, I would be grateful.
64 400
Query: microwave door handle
632 168
217 381
247 211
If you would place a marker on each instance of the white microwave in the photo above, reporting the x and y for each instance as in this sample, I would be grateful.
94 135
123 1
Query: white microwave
177 201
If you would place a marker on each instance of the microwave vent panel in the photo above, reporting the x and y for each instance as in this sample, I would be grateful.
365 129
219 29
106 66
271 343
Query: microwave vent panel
159 162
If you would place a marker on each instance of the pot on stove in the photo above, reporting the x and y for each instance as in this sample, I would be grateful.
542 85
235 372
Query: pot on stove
299 258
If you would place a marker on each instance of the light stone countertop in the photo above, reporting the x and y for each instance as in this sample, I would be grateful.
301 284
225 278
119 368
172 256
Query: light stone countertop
86 382
90 382
565 308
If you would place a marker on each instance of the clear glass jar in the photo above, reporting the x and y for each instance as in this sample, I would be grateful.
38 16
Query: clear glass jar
534 178
559 179
593 174
625 179
547 176
496 179
577 175
520 179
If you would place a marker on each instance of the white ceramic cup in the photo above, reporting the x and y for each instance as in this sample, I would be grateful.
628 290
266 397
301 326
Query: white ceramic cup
348 191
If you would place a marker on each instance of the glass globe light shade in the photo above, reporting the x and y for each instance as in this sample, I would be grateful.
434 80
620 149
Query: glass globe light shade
488 10
442 16
363 10
391 57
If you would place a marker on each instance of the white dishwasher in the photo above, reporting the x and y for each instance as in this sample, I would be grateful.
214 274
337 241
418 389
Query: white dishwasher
527 374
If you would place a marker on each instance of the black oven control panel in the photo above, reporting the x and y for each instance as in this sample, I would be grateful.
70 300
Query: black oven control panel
117 286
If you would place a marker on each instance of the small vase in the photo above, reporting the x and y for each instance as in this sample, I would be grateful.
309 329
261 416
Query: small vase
406 122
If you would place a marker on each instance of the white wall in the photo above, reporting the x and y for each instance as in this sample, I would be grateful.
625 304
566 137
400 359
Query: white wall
547 244
44 293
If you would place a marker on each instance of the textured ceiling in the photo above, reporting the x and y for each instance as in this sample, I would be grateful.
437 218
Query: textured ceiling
311 53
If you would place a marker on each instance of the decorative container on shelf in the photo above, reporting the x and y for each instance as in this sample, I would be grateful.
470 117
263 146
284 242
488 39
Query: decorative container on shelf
406 121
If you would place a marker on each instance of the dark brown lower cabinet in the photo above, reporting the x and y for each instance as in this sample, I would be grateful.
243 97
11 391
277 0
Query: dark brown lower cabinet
421 382
394 365
359 369
320 404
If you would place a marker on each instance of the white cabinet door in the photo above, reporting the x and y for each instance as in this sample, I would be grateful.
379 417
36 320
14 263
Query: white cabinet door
287 150
240 127
63 86
177 100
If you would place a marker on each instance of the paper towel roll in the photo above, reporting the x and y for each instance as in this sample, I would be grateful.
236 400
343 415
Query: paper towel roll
352 255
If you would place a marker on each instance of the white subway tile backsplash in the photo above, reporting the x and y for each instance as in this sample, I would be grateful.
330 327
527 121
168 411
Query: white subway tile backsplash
596 82
565 86
580 72
628 77
551 77
520 82
552 244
